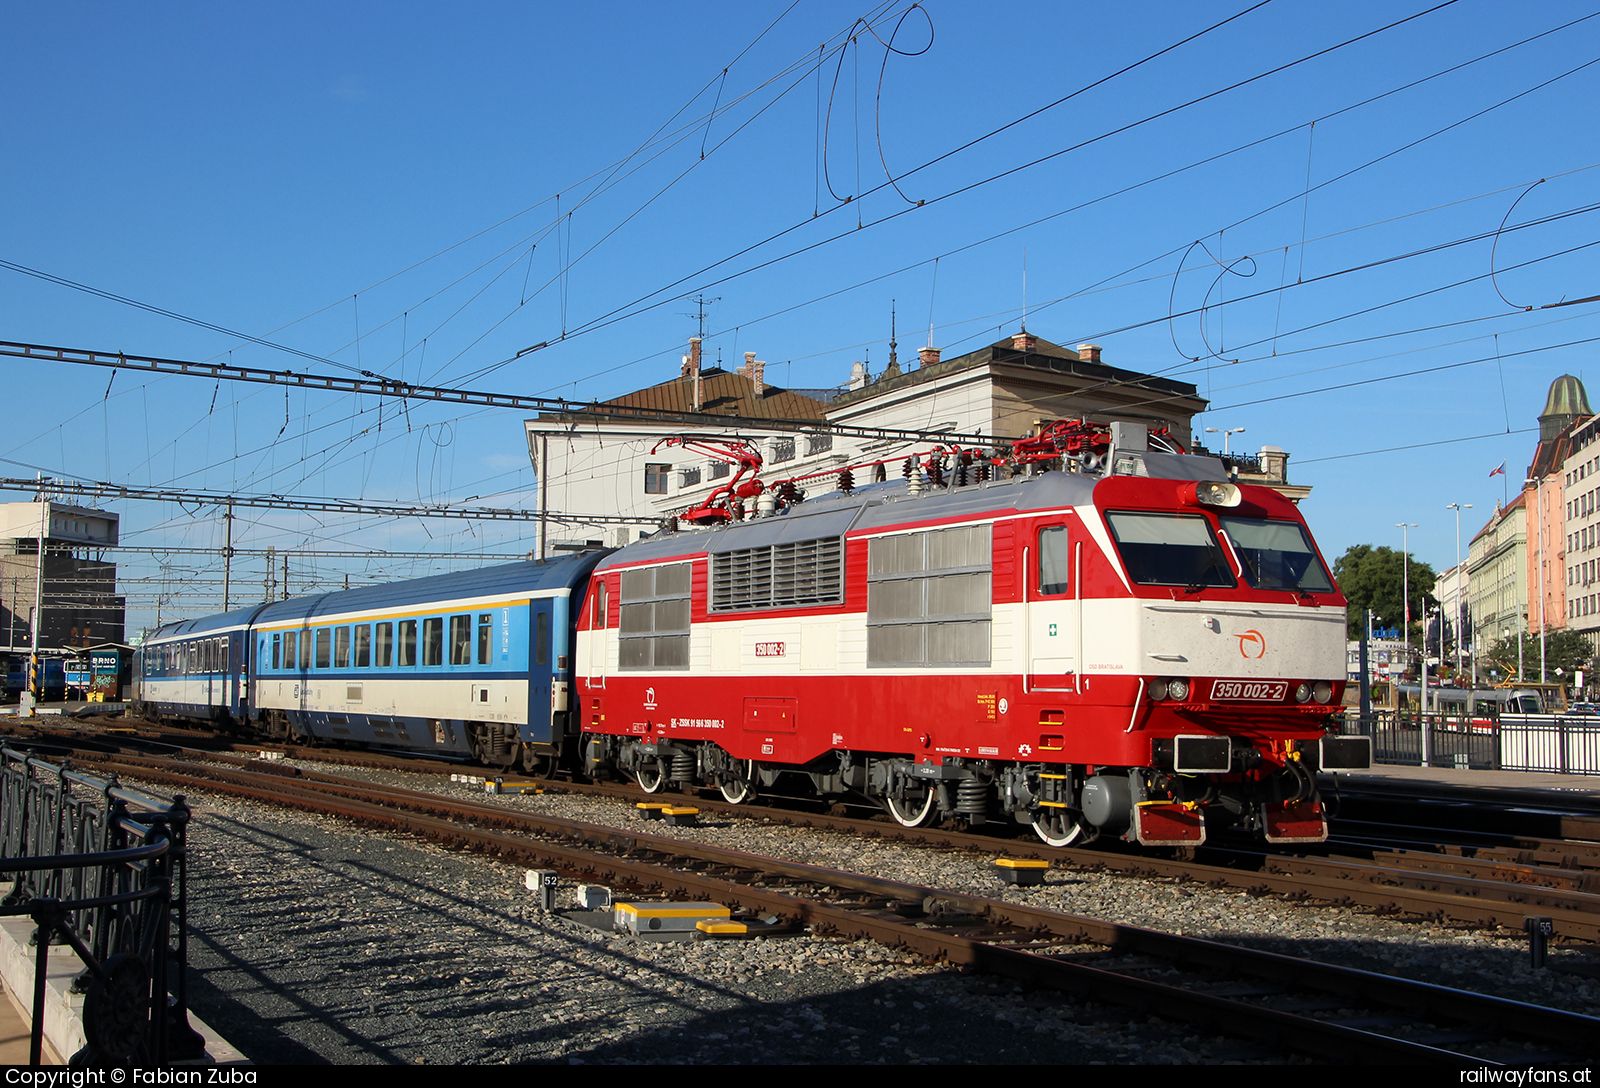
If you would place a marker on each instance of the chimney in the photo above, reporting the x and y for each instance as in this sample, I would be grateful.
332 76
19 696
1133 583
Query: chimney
1089 353
691 368
1024 341
755 370
927 357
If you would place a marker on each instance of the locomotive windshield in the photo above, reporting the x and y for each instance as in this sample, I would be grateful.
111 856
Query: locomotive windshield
1170 550
1277 555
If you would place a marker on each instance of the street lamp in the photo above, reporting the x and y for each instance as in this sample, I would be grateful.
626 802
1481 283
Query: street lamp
1405 595
1538 484
1225 436
1458 507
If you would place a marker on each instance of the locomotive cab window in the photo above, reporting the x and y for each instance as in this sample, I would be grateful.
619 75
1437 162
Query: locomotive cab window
1277 555
1054 568
1170 550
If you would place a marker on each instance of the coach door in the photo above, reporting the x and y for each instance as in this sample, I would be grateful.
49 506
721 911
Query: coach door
540 661
1053 645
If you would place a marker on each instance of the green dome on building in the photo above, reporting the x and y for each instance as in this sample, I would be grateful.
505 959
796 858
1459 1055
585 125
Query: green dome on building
1568 401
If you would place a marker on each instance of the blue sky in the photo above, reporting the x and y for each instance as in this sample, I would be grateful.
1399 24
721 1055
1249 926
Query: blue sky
422 191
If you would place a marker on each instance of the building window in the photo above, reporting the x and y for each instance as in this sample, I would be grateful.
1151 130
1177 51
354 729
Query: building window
782 450
818 443
929 598
654 627
655 479
688 477
720 470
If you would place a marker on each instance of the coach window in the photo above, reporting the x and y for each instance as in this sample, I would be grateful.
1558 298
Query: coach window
277 649
433 641
1054 570
341 647
363 646
461 640
541 639
288 649
324 644
385 647
485 636
408 643
305 650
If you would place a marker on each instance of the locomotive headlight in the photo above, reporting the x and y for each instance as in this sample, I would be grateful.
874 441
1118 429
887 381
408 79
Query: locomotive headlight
1177 690
1302 694
1322 691
1217 494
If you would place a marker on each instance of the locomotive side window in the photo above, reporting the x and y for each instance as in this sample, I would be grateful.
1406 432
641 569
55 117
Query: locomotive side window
1276 555
929 597
791 575
1170 550
654 627
461 640
408 643
1053 564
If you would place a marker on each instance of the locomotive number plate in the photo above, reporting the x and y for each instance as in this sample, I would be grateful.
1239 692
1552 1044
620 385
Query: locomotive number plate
1265 691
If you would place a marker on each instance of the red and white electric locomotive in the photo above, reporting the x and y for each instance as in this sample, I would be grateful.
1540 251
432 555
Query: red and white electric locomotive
1125 643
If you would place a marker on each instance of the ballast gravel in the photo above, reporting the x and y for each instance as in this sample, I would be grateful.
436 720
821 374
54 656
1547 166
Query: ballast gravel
316 941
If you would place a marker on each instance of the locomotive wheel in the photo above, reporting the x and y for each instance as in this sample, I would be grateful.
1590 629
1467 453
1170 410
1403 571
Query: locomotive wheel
736 791
909 813
1055 828
650 777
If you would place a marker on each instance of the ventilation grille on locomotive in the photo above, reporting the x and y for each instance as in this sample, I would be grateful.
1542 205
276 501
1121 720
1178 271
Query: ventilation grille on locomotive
793 575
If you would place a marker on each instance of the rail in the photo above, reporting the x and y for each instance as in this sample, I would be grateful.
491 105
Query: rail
1551 743
102 869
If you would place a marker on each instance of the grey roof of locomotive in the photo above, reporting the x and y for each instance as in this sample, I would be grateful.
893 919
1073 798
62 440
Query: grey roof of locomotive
886 504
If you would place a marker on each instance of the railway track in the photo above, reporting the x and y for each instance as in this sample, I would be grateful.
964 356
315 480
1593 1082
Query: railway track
1314 1009
1486 887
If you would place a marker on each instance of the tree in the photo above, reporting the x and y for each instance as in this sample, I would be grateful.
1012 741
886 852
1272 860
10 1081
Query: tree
1374 578
1564 650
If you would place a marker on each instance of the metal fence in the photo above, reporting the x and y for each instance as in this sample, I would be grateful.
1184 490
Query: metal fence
101 869
1553 743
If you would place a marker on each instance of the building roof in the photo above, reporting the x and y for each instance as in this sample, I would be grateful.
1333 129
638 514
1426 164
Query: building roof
724 393
1500 514
1042 355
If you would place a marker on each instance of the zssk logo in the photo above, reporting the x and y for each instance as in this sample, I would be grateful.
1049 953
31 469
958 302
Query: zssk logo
1252 644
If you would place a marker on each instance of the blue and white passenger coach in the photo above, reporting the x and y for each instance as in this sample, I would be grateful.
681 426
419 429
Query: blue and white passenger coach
477 663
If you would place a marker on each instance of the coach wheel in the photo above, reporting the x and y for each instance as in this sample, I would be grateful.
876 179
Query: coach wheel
650 777
1055 827
736 791
911 812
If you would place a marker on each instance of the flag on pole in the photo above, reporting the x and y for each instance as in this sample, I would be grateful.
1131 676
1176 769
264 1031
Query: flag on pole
1501 471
